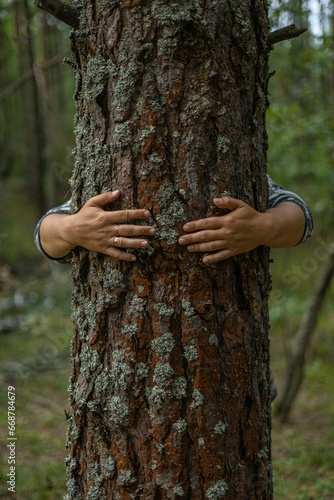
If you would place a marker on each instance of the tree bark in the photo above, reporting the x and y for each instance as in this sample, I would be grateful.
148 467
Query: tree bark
170 394
285 33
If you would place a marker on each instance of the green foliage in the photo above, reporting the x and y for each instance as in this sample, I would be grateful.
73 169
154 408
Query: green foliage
16 228
49 39
301 156
300 118
303 458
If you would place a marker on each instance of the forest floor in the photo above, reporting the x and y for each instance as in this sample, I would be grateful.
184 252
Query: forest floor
35 333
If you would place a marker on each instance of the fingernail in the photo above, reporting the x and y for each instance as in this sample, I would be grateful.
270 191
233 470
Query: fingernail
152 231
115 192
190 248
205 260
186 227
182 241
147 213
144 243
133 258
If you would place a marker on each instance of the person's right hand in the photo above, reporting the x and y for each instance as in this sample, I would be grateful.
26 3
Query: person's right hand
100 231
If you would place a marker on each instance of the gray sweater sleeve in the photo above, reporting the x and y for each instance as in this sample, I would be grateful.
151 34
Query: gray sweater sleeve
62 209
277 195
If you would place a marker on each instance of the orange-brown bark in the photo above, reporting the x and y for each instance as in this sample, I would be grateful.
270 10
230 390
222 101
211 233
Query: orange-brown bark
169 391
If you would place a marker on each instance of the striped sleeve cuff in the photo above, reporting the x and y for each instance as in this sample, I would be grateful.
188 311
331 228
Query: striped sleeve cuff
277 195
62 209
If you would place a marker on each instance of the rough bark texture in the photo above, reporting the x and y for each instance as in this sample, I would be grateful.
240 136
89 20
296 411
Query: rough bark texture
169 391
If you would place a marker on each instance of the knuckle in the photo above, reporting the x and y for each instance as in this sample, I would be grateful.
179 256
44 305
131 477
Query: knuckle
228 225
111 252
101 218
211 246
117 254
125 215
230 222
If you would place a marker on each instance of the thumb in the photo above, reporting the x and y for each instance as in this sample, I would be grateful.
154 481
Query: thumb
229 203
104 198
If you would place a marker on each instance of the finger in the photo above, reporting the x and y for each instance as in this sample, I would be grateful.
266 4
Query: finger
130 230
229 203
118 254
120 242
210 246
208 223
218 256
198 237
126 215
102 199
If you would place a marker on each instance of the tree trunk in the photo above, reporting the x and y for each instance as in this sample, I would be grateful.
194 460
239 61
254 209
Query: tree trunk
51 84
6 159
34 130
170 385
331 77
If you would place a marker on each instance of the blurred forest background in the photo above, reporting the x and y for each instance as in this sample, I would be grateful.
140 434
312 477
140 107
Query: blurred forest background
36 141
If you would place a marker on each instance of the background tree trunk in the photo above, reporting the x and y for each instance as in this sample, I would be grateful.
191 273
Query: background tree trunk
50 81
5 110
170 384
296 366
33 127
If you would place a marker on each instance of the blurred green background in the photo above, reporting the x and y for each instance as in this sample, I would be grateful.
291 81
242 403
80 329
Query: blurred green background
36 140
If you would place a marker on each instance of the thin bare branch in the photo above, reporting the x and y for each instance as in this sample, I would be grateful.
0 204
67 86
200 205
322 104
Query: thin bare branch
284 34
21 80
61 10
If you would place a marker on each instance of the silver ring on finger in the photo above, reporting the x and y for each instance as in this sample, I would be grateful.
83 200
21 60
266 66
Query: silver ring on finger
116 242
117 229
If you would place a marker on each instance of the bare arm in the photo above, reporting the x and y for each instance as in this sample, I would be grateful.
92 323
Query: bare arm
243 229
95 229
286 225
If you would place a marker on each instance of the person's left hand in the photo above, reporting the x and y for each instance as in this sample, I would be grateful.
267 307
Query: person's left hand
239 231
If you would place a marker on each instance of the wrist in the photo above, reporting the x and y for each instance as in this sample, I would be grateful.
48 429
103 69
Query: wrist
270 228
67 231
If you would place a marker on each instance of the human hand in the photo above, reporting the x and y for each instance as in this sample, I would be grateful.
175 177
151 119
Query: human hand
100 231
239 231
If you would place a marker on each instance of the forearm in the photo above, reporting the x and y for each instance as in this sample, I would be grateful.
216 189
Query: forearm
93 228
285 225
53 236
